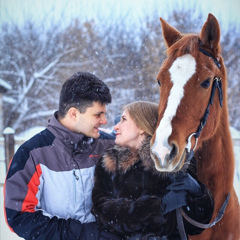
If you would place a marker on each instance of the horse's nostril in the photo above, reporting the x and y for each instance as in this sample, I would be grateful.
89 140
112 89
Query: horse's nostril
173 152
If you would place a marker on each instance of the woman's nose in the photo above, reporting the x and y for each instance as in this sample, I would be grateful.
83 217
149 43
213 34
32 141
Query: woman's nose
116 127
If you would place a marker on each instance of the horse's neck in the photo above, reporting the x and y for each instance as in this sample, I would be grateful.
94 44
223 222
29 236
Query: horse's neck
215 161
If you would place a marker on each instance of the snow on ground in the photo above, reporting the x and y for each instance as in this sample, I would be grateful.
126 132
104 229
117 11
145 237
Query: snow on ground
30 133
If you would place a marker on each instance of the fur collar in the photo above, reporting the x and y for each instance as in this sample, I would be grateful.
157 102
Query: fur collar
123 158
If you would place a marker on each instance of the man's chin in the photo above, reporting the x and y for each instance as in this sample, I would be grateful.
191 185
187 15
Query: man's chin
95 135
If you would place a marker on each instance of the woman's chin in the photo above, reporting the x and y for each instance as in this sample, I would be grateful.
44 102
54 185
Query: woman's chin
118 142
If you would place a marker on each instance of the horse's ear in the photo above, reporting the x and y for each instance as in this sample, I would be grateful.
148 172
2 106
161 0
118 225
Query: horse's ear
170 34
210 34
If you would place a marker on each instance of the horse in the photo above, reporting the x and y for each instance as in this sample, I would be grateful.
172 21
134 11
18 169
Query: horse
193 120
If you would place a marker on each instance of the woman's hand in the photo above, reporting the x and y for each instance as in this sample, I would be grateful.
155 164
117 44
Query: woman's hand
173 200
182 185
184 181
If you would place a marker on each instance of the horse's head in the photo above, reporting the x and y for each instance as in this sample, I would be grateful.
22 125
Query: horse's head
187 78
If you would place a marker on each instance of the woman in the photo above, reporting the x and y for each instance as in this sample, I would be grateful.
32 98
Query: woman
131 199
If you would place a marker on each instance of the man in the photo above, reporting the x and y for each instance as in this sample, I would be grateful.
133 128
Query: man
49 184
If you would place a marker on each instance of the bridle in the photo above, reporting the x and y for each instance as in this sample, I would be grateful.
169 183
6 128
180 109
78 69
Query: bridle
217 84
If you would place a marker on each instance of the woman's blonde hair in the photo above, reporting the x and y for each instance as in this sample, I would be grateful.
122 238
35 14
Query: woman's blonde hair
144 114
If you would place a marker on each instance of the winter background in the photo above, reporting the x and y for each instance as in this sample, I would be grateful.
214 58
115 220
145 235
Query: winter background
45 14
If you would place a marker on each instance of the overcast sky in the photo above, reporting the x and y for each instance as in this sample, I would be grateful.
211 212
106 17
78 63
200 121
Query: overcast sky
227 11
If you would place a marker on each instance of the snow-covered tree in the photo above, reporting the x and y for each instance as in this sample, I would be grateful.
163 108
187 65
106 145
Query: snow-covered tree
35 61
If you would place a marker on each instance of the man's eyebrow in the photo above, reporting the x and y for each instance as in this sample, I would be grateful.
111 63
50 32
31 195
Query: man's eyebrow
97 113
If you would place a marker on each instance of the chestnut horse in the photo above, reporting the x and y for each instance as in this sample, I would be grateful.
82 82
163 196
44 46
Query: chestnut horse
193 116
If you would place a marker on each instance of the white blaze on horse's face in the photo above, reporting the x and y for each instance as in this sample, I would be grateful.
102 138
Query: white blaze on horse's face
181 71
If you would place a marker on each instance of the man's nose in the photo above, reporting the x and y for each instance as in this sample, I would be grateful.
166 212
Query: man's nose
103 120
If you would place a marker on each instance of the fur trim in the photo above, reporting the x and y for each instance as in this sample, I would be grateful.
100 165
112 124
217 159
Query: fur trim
145 156
119 159
123 158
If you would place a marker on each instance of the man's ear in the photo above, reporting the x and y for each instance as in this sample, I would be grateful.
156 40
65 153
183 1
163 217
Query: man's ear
72 113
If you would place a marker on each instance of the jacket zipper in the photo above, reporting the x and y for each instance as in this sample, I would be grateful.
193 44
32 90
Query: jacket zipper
77 178
75 175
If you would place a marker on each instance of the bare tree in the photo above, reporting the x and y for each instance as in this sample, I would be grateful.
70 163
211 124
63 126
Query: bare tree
37 61
189 21
231 45
31 61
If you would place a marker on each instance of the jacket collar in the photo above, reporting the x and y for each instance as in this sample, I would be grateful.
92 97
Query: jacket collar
61 132
121 159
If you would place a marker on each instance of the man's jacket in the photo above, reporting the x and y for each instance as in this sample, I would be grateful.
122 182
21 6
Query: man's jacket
49 184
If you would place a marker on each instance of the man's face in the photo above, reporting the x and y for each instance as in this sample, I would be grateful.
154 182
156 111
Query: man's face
88 123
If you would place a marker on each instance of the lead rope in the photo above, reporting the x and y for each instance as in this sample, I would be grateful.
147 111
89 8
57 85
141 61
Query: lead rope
180 214
180 225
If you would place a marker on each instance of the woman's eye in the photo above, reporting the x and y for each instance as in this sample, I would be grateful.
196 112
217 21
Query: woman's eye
159 82
206 83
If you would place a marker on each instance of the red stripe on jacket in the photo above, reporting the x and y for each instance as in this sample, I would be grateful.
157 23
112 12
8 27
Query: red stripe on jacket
31 201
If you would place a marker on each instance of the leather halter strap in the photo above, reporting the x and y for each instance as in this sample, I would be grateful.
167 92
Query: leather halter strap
217 219
180 224
217 84
211 56
180 213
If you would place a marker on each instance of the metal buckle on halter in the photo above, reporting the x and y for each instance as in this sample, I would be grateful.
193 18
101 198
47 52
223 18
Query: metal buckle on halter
189 143
218 79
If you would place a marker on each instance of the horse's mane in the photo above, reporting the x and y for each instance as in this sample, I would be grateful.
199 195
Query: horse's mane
189 43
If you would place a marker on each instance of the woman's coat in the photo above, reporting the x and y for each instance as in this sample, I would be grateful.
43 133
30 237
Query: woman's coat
127 196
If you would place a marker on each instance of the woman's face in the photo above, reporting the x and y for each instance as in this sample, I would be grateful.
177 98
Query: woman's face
127 133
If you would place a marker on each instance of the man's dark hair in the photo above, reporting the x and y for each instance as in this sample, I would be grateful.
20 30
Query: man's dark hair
80 91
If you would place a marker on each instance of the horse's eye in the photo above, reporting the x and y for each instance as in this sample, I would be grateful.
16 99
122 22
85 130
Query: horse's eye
159 82
206 83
